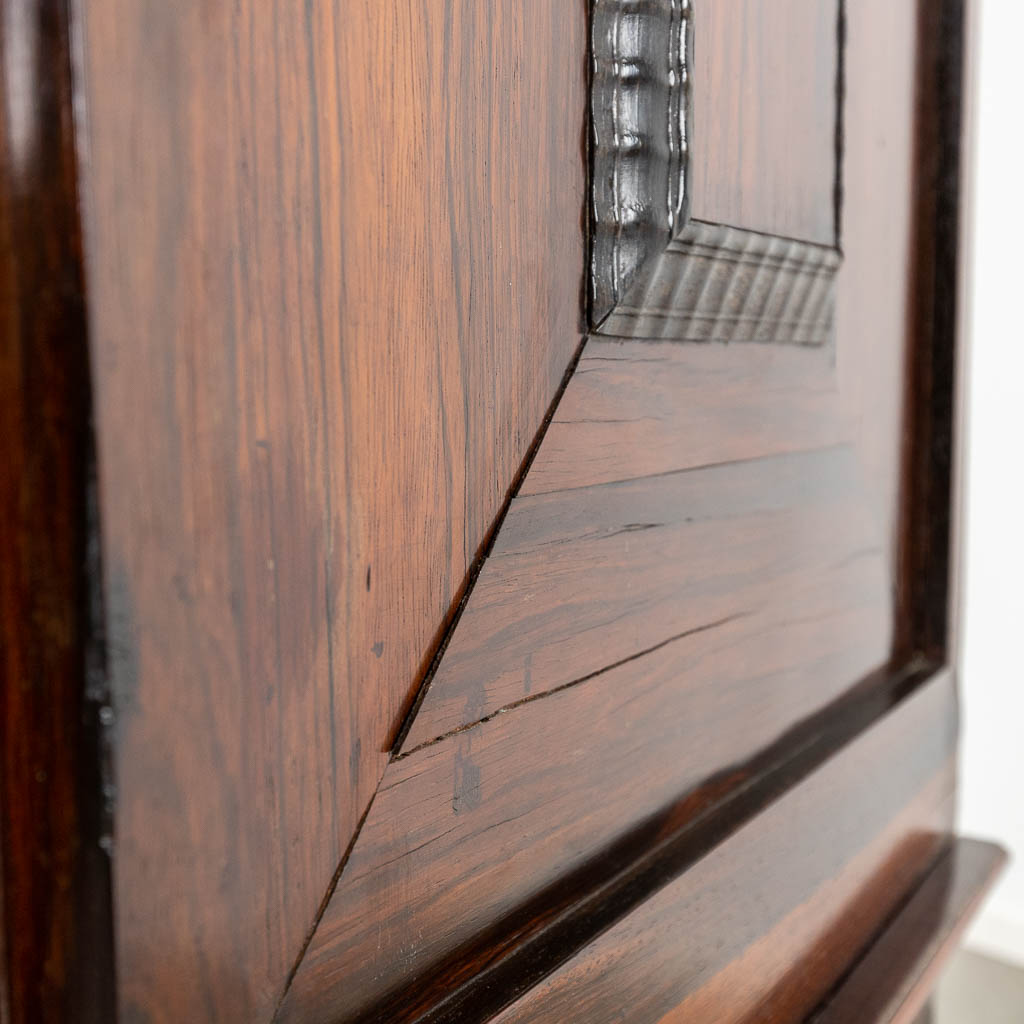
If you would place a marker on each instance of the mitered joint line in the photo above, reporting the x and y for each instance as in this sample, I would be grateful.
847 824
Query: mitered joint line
530 698
485 550
322 908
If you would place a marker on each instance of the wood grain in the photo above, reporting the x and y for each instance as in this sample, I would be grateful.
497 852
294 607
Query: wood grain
474 822
633 563
762 928
56 946
336 263
876 325
554 618
333 275
896 974
629 404
763 143
724 284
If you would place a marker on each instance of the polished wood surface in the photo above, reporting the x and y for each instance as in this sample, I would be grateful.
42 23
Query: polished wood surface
336 262
731 942
501 790
55 952
897 973
753 537
765 79
568 601
629 402
460 665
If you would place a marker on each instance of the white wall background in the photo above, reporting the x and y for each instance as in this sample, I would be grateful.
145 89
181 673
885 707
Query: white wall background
992 751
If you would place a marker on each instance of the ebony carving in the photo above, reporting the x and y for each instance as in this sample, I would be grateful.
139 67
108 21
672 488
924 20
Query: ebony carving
639 138
655 273
716 283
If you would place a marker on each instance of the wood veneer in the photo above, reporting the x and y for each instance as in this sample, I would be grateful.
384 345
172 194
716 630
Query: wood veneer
695 611
784 596
725 943
496 664
335 265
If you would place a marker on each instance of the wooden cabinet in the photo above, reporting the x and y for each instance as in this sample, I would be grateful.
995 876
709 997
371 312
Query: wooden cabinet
479 509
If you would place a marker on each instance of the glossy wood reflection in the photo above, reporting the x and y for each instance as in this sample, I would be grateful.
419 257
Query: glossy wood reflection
763 589
763 928
450 666
336 266
896 974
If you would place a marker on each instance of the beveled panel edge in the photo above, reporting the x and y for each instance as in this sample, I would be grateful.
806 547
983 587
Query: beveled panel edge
516 953
892 978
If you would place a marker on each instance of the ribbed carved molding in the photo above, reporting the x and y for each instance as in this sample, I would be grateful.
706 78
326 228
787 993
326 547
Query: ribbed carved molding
655 273
716 283
639 124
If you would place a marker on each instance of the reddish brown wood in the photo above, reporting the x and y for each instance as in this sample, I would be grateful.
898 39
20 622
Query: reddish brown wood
893 979
764 926
336 262
880 338
56 962
697 669
554 611
334 275
629 403
764 110
633 563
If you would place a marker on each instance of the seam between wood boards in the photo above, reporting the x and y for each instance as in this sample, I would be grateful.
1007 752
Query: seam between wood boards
588 677
468 586
530 698
485 550
769 776
324 903
397 753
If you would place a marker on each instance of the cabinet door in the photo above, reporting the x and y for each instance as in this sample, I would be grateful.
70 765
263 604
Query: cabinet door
517 568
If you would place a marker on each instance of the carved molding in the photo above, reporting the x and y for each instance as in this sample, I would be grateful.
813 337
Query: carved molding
716 283
654 272
639 122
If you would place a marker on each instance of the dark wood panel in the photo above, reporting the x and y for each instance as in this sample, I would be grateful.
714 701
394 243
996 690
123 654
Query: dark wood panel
335 272
896 974
635 409
55 940
493 705
762 928
763 144
876 329
307 428
579 580
779 609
